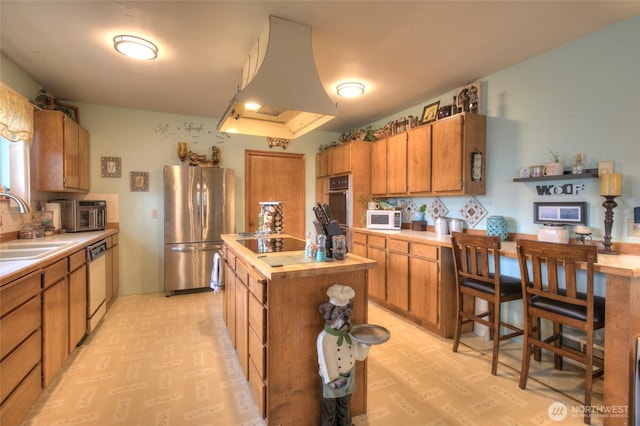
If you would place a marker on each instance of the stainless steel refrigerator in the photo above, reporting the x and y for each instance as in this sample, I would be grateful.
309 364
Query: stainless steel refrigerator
198 208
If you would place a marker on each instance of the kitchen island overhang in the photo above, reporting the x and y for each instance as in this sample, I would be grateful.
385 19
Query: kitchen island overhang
272 314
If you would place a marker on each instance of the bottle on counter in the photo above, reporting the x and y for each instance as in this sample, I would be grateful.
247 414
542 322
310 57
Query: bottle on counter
578 167
309 242
321 254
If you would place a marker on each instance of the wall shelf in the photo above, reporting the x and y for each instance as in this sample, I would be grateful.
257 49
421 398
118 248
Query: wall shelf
588 174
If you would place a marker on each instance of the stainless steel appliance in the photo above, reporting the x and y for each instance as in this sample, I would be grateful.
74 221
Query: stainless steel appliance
96 284
198 208
82 215
340 200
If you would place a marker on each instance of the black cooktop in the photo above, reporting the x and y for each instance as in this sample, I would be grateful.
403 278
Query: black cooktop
272 245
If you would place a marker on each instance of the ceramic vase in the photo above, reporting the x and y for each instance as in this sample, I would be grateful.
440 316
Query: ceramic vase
497 225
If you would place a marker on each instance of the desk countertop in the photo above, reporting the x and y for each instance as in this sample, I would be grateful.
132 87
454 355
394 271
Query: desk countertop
623 265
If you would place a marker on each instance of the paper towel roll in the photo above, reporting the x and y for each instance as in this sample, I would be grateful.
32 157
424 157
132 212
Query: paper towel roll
55 208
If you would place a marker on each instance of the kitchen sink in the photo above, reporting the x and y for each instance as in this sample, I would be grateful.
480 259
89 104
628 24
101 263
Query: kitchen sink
28 250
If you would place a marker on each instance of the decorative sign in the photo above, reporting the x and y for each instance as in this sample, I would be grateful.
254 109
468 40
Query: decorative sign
568 189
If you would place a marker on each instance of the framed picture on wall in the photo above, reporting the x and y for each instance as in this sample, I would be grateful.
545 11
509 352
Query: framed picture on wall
111 167
139 182
560 213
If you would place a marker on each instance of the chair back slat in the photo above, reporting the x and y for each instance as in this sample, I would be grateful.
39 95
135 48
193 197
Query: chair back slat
472 256
554 257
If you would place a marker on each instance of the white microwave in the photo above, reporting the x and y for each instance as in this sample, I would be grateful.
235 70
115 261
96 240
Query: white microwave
384 219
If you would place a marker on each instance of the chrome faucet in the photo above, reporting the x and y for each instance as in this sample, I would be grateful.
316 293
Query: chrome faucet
23 207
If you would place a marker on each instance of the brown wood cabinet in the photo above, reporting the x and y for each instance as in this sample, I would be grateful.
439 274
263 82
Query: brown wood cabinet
458 151
112 269
379 167
77 298
446 157
351 158
413 279
419 160
20 340
397 164
55 319
59 154
398 273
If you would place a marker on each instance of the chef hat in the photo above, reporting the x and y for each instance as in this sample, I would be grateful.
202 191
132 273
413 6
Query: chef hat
339 295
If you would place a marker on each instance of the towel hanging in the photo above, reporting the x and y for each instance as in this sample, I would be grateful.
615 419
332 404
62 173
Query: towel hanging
217 282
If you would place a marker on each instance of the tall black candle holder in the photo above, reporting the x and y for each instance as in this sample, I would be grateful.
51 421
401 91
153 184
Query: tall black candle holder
609 204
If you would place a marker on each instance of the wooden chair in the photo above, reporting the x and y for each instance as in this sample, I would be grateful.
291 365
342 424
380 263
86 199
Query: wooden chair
471 256
546 297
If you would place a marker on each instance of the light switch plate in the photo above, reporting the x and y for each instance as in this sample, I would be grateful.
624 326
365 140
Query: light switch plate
633 229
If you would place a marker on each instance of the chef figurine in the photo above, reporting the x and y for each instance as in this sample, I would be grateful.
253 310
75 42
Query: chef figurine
337 355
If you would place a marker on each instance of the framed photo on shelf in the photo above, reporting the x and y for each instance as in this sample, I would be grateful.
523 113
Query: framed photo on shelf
430 112
605 167
139 182
560 213
111 167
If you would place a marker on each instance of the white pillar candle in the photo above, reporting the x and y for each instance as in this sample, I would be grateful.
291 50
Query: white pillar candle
581 229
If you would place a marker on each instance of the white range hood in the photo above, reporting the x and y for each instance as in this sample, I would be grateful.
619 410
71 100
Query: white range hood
280 76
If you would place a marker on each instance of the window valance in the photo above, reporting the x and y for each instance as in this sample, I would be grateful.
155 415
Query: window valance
16 116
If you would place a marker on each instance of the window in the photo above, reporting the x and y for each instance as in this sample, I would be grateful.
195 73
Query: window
14 168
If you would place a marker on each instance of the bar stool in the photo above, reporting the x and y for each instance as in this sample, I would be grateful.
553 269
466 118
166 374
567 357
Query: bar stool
471 255
545 297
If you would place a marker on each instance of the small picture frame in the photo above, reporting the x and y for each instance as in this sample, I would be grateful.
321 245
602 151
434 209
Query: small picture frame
560 213
605 167
430 112
139 182
111 167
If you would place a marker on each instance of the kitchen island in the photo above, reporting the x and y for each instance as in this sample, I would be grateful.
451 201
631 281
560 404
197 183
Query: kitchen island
271 309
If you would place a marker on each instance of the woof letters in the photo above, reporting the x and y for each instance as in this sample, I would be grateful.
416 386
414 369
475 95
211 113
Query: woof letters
568 189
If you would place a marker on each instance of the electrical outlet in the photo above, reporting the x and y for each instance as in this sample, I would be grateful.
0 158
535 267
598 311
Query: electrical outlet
154 214
633 229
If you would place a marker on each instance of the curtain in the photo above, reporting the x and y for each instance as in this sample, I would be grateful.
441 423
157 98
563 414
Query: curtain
16 116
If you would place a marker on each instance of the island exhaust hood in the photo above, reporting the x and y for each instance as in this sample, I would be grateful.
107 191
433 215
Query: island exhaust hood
281 95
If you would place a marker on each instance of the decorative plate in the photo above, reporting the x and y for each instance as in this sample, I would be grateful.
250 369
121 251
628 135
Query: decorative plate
437 209
472 211
369 334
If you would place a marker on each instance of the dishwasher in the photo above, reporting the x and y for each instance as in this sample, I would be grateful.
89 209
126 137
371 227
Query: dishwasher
96 284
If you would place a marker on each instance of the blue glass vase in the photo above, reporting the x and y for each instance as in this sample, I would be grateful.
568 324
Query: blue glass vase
497 225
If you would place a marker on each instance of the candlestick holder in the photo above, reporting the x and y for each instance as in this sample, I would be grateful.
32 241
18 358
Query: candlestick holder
609 204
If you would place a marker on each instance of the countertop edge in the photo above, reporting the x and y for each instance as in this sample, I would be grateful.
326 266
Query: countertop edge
624 265
11 270
351 263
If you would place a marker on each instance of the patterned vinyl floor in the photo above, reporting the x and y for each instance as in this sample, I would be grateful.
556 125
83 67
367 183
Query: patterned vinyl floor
169 361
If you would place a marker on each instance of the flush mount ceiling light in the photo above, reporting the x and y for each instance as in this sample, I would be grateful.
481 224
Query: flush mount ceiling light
350 89
135 47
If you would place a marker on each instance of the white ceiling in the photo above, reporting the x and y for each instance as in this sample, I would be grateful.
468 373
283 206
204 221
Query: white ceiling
406 51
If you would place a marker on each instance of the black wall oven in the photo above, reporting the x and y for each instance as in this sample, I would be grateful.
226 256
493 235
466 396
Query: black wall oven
340 201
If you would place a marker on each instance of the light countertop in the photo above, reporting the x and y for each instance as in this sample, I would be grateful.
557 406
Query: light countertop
259 261
12 269
623 265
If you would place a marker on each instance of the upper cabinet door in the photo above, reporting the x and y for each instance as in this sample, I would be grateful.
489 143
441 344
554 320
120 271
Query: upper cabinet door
341 159
447 155
419 160
379 167
397 163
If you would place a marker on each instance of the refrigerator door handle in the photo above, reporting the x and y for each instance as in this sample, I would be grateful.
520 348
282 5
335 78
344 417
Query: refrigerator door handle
192 248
